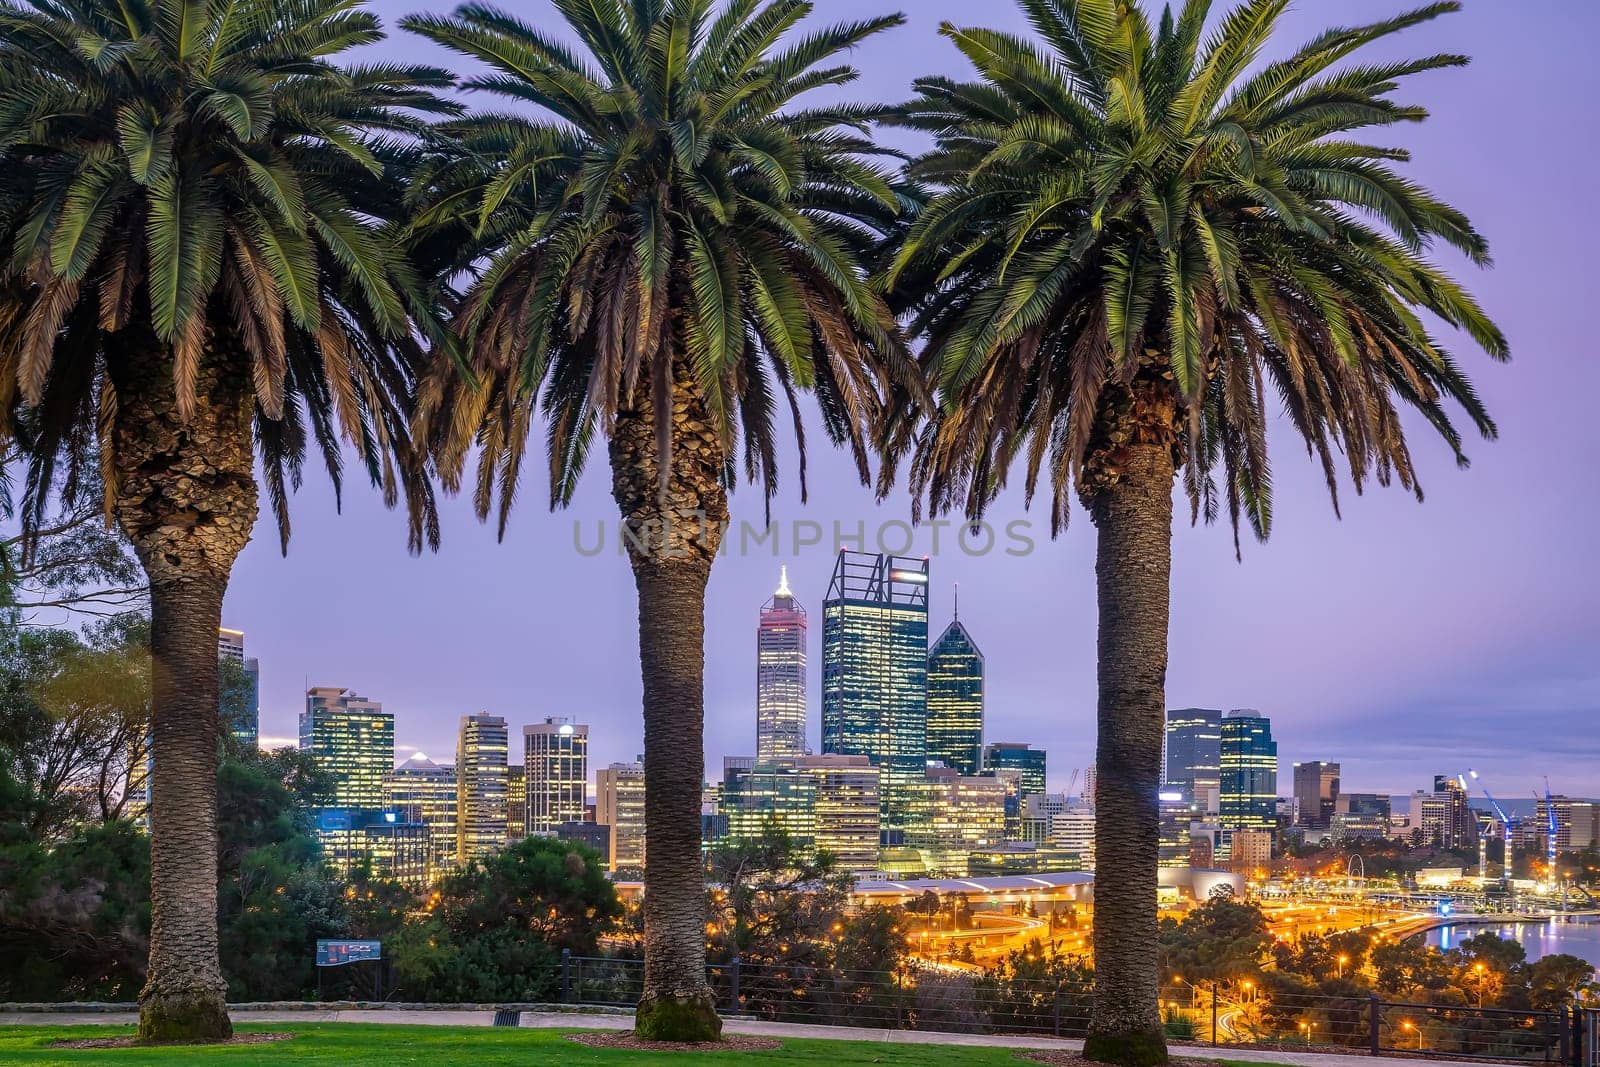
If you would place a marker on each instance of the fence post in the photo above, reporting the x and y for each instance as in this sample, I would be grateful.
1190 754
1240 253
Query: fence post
566 976
1055 1010
733 986
1564 1032
1373 1021
1213 1012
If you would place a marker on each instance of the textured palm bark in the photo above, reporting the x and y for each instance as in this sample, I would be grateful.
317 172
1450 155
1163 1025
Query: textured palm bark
1128 480
672 539
185 495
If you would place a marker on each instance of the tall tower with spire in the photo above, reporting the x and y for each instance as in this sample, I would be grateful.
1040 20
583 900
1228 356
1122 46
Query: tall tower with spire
781 676
955 697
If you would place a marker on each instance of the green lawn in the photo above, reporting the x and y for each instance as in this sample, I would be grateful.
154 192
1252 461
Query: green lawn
353 1044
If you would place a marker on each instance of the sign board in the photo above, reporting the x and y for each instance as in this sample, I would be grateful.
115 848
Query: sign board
335 953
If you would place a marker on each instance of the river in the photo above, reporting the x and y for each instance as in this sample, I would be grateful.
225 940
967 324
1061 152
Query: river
1576 937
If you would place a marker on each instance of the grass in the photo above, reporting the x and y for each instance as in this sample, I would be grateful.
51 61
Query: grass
355 1044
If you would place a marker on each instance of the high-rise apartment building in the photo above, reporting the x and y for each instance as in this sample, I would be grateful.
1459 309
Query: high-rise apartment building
781 676
241 694
1249 758
420 791
875 671
1194 754
482 785
619 805
556 759
955 700
1316 793
351 738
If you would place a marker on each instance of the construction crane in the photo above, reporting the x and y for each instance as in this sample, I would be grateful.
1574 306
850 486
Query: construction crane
1505 827
1549 828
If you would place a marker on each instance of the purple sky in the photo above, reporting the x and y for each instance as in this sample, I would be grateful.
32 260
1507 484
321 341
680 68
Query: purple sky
1402 641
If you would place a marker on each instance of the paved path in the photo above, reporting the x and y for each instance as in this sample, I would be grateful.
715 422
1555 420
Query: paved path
622 1021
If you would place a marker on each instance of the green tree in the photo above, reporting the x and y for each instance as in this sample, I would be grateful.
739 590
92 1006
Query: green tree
680 252
1139 237
1219 939
194 199
497 927
1558 979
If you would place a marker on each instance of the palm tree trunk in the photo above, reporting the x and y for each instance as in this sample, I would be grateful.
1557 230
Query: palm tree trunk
1131 475
185 495
672 538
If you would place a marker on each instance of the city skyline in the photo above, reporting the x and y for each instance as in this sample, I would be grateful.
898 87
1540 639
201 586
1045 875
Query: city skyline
1472 618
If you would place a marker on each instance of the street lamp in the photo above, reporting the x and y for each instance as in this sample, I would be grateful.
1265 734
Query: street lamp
1408 1026
1343 959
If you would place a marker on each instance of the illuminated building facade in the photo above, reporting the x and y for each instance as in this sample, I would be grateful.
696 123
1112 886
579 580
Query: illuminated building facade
875 671
395 849
556 761
482 786
350 738
619 805
1249 758
781 677
760 797
955 700
1028 762
954 816
847 809
421 791
516 802
1194 754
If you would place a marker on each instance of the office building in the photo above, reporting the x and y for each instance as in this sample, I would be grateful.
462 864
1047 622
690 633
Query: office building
593 834
351 739
1360 816
1444 817
1194 754
516 801
1179 813
875 671
241 689
847 809
422 792
1073 831
619 805
556 757
1316 793
379 842
781 676
1027 761
953 816
1249 759
482 785
759 799
955 699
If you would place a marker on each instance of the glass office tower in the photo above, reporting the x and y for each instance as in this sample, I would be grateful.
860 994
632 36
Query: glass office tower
1249 798
955 699
781 677
875 671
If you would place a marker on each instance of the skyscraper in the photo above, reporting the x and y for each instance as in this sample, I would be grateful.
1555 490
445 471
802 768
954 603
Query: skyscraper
482 786
619 805
556 759
875 671
1194 754
1249 761
955 699
241 695
421 791
516 802
352 739
1316 793
781 676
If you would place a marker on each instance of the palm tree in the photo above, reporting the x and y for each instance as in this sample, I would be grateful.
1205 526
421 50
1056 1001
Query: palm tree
197 275
1138 237
676 255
